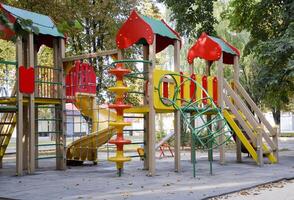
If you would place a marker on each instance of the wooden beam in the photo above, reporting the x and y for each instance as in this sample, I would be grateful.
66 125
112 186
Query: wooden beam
146 116
259 148
91 55
275 140
19 133
236 79
249 116
220 77
59 50
254 107
151 115
36 109
31 109
177 125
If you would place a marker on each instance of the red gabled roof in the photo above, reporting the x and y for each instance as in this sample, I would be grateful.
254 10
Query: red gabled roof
211 48
141 30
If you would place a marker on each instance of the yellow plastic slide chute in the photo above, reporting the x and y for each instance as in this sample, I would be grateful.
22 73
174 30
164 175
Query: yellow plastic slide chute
85 148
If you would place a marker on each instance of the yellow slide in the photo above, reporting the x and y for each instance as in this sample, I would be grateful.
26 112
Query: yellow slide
85 148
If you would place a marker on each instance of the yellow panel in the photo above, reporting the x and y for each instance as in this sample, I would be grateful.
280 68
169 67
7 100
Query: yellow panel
199 91
187 88
158 105
210 87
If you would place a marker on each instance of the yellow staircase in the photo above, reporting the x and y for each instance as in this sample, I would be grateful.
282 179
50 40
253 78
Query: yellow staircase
261 137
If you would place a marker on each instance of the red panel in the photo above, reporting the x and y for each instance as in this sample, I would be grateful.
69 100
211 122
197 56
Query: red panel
133 30
81 78
165 89
26 80
215 90
204 48
182 86
204 85
193 88
6 32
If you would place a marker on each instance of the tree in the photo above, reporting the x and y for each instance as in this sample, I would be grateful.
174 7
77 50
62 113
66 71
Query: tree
269 23
192 17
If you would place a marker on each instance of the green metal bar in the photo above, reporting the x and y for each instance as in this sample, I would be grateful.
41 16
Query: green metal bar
39 106
194 155
48 82
8 62
8 108
131 61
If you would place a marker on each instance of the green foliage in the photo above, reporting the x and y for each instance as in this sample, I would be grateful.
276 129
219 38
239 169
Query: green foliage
192 17
270 24
7 51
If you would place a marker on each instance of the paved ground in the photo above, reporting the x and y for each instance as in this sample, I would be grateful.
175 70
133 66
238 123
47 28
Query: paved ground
101 182
279 190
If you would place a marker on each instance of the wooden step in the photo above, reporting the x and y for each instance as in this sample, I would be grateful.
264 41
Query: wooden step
5 134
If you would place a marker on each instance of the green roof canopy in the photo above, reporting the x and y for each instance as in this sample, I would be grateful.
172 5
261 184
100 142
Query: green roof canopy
44 23
225 47
159 27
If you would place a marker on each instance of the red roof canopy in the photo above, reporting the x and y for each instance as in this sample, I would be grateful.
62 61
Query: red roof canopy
141 30
211 48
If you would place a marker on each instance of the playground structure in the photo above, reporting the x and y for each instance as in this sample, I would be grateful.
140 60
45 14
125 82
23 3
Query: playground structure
219 105
31 88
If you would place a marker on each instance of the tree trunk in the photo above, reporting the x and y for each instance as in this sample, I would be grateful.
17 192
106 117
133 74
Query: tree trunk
277 116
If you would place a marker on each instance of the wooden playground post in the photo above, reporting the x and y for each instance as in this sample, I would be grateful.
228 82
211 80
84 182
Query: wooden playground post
177 114
146 116
59 54
236 80
31 109
259 149
276 142
151 117
36 108
19 137
220 77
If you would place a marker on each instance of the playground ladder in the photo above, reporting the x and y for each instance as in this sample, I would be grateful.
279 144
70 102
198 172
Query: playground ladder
257 128
7 125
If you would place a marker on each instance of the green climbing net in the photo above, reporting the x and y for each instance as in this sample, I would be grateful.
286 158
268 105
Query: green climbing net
209 132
